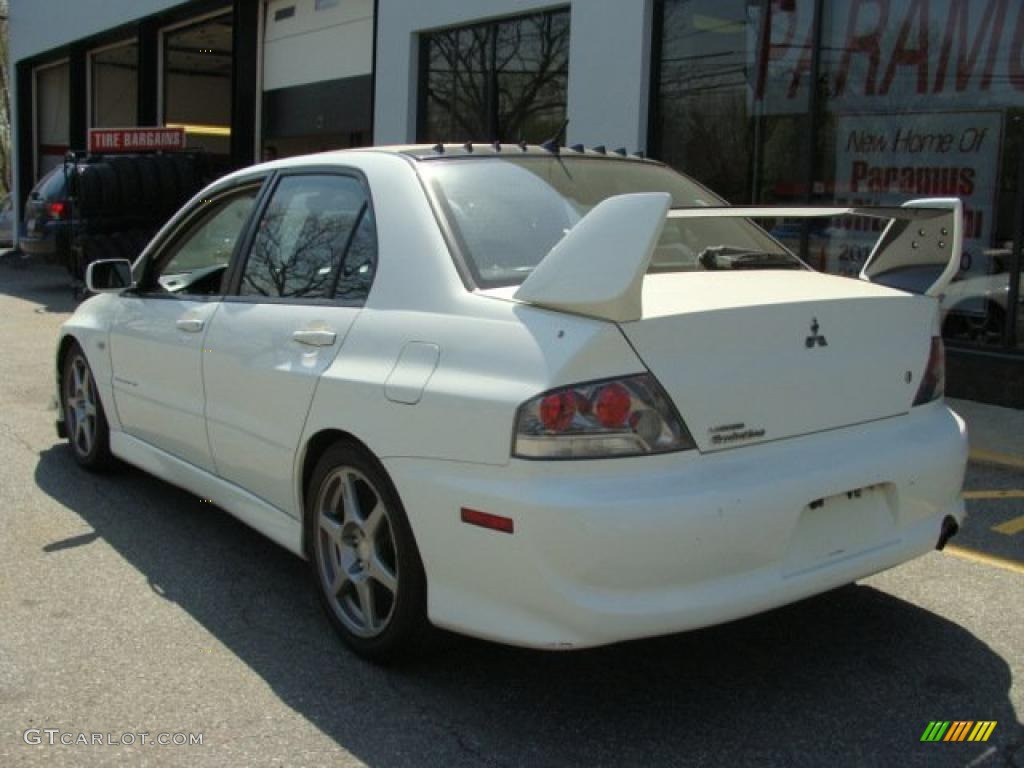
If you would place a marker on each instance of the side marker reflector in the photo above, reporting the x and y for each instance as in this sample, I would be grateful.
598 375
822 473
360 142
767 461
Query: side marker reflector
487 520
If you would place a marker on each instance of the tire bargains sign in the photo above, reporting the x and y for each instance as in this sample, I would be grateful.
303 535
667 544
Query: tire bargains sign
110 140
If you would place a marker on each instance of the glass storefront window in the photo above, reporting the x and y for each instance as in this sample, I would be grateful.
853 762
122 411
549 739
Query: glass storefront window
52 98
114 85
500 81
867 102
197 82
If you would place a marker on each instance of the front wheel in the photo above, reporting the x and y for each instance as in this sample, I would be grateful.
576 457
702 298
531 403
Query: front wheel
363 556
86 424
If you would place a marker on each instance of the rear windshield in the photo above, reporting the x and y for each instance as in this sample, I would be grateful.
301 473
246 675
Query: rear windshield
51 186
507 213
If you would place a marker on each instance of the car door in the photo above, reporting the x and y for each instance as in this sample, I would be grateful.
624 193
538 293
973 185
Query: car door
156 339
310 263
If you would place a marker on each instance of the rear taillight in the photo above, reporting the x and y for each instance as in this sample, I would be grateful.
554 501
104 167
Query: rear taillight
933 384
630 416
57 210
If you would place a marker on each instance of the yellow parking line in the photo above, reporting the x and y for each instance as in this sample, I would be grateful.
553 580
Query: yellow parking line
1000 459
985 559
1010 527
1006 494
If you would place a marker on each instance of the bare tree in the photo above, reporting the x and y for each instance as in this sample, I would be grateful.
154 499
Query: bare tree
499 81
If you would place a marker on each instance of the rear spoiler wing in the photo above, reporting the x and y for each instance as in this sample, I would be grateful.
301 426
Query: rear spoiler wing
598 268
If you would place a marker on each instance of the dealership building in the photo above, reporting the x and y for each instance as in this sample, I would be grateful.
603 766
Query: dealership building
860 102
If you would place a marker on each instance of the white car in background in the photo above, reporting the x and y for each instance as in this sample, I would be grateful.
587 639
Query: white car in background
554 399
975 302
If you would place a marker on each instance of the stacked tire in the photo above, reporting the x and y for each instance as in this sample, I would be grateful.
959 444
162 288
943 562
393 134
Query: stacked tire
122 200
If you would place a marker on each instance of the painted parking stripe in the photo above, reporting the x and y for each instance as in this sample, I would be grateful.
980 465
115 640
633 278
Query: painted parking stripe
1010 527
985 559
999 459
1003 494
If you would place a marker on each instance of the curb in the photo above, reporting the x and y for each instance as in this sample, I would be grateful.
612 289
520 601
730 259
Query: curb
1004 460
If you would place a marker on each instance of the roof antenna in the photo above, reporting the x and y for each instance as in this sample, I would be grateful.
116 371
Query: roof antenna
468 146
577 148
601 148
639 153
497 146
522 143
621 151
439 148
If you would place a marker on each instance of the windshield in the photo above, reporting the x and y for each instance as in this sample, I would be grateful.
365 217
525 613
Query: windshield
508 212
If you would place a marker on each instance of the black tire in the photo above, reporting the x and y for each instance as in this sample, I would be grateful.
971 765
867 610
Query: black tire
126 245
90 193
149 179
188 182
129 182
386 550
167 184
109 187
87 428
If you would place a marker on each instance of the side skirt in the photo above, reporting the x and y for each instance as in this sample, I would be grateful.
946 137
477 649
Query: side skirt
251 510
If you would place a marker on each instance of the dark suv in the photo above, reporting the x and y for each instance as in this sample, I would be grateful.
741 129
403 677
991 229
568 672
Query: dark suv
96 206
47 232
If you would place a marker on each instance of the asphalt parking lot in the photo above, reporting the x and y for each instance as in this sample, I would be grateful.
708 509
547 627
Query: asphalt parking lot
129 606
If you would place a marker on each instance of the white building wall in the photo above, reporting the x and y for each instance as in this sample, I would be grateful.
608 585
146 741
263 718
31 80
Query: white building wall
314 45
39 25
609 72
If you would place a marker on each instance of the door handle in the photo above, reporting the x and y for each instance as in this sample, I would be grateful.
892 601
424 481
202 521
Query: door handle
189 324
315 337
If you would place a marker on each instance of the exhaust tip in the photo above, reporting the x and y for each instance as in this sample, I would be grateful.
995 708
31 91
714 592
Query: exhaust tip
950 528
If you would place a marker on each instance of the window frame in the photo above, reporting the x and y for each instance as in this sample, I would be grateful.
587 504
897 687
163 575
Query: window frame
155 257
240 259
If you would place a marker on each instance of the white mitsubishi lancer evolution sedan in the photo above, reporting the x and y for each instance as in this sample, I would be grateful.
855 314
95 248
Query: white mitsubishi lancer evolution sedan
554 398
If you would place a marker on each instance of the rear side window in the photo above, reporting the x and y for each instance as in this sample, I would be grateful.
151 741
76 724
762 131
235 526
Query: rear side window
315 240
51 186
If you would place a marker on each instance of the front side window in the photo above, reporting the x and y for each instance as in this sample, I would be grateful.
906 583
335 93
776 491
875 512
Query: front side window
508 213
316 240
196 261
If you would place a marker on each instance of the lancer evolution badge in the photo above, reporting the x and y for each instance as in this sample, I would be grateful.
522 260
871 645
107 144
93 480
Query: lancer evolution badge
815 339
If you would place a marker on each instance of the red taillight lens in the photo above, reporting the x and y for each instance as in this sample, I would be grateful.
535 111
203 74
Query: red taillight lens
57 210
557 410
625 417
612 405
933 383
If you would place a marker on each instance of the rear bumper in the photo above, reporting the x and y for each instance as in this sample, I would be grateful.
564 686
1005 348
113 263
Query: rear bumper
46 245
610 550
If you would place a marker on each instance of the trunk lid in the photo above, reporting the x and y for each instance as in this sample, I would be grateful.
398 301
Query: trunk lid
753 356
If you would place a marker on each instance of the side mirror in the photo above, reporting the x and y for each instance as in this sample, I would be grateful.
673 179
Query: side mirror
109 276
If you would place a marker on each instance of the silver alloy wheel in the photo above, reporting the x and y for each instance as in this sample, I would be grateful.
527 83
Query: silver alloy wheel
355 550
80 406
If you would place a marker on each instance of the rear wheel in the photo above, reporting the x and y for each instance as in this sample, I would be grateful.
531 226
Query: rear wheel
363 556
87 429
